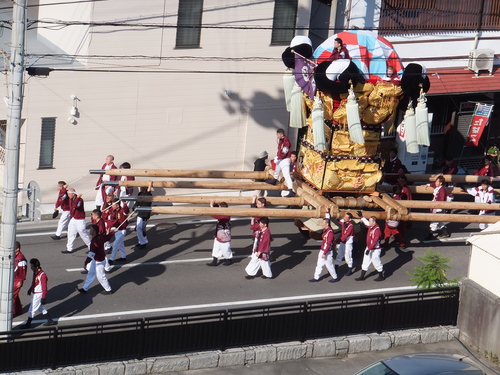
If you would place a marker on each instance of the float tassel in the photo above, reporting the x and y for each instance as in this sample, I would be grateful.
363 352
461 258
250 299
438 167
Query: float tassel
411 131
288 82
353 120
422 120
297 108
318 125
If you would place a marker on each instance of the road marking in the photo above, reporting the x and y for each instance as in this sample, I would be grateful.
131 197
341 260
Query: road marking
228 304
131 227
130 265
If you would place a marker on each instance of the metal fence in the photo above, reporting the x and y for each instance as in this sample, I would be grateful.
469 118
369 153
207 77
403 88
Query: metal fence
147 337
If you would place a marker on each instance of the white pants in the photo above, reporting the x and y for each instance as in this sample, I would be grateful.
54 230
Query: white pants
436 225
96 270
119 244
372 257
485 225
140 228
344 250
326 261
63 222
256 264
283 165
77 226
36 305
222 250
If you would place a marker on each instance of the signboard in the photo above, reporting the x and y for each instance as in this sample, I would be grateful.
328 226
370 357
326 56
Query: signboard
479 121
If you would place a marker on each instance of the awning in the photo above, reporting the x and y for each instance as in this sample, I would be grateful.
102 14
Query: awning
453 81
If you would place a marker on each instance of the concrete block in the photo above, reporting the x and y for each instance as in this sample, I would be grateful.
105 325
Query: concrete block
115 368
70 370
324 348
341 347
232 357
135 368
249 355
453 332
309 348
86 370
433 335
403 338
169 364
290 350
150 363
380 342
359 344
264 354
203 360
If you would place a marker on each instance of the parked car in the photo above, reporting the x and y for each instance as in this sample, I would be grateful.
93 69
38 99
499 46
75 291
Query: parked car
423 364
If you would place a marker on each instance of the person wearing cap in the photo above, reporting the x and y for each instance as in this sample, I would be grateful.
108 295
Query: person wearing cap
259 165
77 224
63 202
103 190
282 161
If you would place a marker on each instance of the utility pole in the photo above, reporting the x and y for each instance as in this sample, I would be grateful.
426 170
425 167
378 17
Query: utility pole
11 173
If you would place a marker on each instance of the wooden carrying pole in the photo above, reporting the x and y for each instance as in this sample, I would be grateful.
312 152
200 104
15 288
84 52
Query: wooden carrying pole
183 173
423 189
455 178
205 199
229 185
270 212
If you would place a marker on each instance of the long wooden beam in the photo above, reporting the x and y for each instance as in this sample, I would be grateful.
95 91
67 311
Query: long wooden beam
455 178
292 213
394 204
183 173
424 189
205 199
451 205
231 185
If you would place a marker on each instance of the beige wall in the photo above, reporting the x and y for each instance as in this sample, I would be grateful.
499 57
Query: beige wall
157 119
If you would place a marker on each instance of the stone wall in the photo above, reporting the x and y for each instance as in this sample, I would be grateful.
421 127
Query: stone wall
479 319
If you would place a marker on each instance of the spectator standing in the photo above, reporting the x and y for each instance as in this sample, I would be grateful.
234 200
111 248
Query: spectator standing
260 165
63 203
260 254
222 237
486 168
143 216
38 293
77 224
372 251
20 269
282 161
96 258
484 193
391 165
325 255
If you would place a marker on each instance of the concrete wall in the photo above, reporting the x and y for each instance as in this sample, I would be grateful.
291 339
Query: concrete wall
479 319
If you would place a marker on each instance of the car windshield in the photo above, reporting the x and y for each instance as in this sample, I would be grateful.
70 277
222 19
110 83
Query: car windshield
378 368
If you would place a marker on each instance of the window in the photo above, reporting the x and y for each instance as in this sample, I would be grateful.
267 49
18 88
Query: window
189 24
3 130
402 17
284 21
47 143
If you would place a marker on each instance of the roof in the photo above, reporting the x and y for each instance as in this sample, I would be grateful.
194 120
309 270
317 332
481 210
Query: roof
462 81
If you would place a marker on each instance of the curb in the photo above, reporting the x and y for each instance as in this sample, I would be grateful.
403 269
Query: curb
327 347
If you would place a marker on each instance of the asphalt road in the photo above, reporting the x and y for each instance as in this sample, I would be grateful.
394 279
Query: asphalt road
171 276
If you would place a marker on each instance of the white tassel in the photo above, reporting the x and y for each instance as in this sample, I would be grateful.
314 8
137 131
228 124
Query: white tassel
288 82
353 120
411 131
318 125
422 119
297 108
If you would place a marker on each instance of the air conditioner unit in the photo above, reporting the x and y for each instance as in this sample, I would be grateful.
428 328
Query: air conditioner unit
481 59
